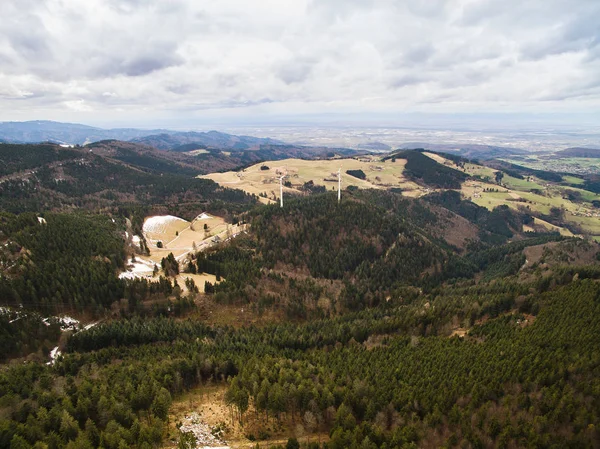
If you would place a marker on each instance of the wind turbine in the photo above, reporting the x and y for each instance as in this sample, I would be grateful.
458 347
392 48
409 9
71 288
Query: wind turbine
281 191
339 184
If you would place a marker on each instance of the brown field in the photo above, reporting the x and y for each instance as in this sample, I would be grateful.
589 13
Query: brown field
380 175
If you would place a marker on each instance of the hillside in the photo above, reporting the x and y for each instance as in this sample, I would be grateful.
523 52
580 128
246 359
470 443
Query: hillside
428 171
362 300
382 320
578 152
49 177
471 151
211 139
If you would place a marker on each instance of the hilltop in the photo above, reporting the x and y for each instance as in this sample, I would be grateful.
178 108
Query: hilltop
555 201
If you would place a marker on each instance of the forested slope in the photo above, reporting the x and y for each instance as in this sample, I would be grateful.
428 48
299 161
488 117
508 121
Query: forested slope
48 177
516 379
385 333
429 172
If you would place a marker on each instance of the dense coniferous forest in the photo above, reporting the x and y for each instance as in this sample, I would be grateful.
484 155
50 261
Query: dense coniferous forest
63 260
426 170
387 330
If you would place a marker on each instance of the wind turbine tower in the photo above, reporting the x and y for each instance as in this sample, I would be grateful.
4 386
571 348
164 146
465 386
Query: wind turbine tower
339 184
281 191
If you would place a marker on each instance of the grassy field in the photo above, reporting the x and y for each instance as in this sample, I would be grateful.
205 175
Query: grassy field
479 170
516 193
521 184
573 180
380 175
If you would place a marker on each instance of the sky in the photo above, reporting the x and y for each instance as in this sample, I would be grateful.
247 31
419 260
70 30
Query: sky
155 62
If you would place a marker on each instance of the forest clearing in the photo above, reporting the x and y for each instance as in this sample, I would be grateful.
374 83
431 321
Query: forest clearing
206 407
169 234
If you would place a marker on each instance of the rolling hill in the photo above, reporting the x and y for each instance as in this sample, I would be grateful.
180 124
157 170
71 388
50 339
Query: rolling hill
578 152
211 139
106 174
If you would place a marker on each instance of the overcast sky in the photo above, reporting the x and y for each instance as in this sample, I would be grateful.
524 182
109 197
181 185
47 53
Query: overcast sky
136 62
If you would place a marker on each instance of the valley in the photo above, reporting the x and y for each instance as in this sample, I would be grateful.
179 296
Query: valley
206 307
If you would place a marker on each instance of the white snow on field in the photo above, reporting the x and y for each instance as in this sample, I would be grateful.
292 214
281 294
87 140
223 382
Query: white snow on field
203 216
159 223
89 326
53 356
136 239
41 220
139 268
66 322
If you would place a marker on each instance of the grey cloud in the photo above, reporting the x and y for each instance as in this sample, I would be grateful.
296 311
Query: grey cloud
339 9
346 54
429 8
419 53
408 80
31 45
294 72
144 65
579 33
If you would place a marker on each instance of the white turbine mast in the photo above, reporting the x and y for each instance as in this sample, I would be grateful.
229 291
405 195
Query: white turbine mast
281 191
339 184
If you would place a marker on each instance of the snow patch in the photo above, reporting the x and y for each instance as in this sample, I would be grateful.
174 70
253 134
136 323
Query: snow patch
139 268
66 322
136 240
203 216
89 326
159 223
53 356
41 220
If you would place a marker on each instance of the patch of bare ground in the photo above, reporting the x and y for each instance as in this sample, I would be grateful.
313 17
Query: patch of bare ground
528 320
375 341
207 405
237 315
459 232
580 252
459 332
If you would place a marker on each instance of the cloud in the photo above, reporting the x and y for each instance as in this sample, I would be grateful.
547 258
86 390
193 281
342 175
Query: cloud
180 56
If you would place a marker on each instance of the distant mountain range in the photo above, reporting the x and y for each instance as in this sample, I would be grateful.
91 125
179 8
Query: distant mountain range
211 139
162 139
65 133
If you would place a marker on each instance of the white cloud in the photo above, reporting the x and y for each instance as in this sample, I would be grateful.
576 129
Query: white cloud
295 56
